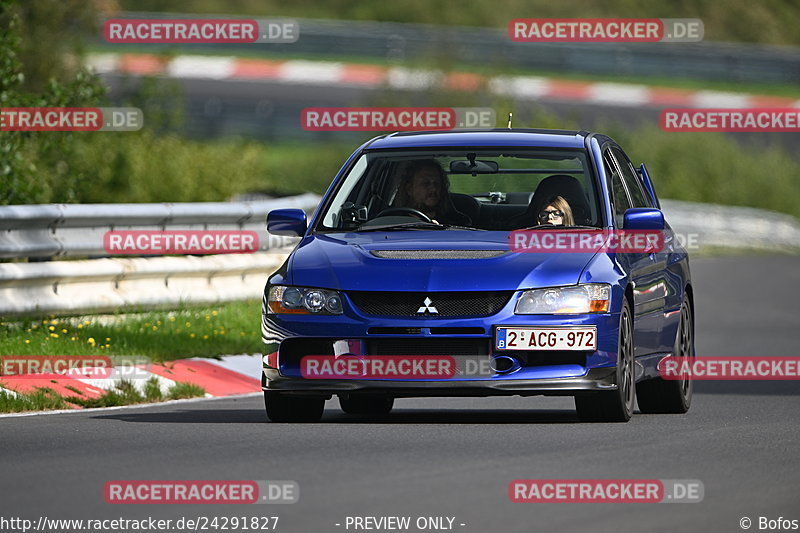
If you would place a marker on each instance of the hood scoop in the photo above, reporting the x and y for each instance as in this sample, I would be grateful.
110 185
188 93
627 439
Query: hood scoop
438 254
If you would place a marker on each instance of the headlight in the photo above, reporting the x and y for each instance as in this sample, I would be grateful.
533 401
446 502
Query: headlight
301 300
586 298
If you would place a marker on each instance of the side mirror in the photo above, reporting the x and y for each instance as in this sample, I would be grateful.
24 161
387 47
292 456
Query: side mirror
290 222
644 218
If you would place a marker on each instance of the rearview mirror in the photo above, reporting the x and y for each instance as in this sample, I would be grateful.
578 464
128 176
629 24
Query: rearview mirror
473 167
290 222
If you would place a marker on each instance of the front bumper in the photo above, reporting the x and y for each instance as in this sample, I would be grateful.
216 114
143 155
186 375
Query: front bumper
556 373
597 379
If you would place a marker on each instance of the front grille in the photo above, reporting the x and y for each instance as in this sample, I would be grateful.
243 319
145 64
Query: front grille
422 304
423 346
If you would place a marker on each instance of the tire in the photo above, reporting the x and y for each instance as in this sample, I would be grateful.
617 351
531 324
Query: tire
366 404
661 396
614 405
284 408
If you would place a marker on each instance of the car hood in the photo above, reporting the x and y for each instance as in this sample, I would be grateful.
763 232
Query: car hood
352 261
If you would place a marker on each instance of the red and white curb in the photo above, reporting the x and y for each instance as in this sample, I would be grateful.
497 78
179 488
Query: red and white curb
231 375
327 73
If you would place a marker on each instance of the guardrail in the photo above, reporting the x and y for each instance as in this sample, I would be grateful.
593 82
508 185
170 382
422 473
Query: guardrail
76 230
111 284
492 47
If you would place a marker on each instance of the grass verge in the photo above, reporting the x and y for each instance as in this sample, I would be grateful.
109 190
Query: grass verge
124 393
163 335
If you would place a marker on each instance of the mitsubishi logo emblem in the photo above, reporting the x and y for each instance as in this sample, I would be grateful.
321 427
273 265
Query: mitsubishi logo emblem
427 308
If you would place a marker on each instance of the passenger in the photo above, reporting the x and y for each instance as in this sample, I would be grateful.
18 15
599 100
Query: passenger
555 210
425 187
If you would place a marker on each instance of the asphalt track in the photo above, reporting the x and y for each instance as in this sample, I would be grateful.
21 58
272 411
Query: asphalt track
456 457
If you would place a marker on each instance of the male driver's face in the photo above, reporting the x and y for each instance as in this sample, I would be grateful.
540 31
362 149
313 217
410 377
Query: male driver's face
426 188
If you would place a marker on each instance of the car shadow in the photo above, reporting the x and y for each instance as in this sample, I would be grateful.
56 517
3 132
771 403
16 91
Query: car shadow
745 388
334 416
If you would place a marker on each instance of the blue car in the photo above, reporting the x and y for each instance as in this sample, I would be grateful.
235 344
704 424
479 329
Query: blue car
416 277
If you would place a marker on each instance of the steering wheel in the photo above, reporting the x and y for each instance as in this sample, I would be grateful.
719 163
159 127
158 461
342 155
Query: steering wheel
407 210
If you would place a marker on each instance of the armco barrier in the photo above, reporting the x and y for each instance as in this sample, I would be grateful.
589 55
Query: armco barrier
108 284
76 230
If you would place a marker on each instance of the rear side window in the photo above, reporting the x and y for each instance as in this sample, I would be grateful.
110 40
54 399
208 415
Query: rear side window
638 198
619 199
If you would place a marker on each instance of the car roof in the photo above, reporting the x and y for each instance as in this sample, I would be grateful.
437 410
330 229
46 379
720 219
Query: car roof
482 138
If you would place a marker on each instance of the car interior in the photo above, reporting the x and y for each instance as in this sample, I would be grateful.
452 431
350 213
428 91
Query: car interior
497 192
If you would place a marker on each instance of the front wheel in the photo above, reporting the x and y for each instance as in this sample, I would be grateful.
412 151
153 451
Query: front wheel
671 396
283 408
615 405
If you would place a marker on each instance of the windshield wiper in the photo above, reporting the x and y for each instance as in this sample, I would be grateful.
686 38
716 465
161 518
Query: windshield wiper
470 228
404 226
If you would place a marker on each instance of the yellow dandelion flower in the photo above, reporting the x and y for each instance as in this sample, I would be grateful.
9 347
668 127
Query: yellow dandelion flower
51 328
27 341
54 321
193 335
108 339
215 313
188 324
64 330
91 341
208 317
80 326
172 319
155 328
54 335
205 337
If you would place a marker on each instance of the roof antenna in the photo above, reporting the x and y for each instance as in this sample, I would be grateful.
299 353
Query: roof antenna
510 116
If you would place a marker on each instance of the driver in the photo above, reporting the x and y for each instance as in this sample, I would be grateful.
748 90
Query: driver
425 187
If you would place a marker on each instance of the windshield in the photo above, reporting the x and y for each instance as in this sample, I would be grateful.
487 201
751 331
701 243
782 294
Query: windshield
464 188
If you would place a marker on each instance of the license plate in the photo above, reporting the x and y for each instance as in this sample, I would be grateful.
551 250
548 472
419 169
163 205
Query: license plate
535 338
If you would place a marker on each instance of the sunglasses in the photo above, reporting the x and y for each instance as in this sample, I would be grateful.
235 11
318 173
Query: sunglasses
545 215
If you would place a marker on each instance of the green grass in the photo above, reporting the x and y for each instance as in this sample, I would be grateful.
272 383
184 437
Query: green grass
164 335
124 393
41 400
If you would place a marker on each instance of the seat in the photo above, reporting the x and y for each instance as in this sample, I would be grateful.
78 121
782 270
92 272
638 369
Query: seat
562 185
467 205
